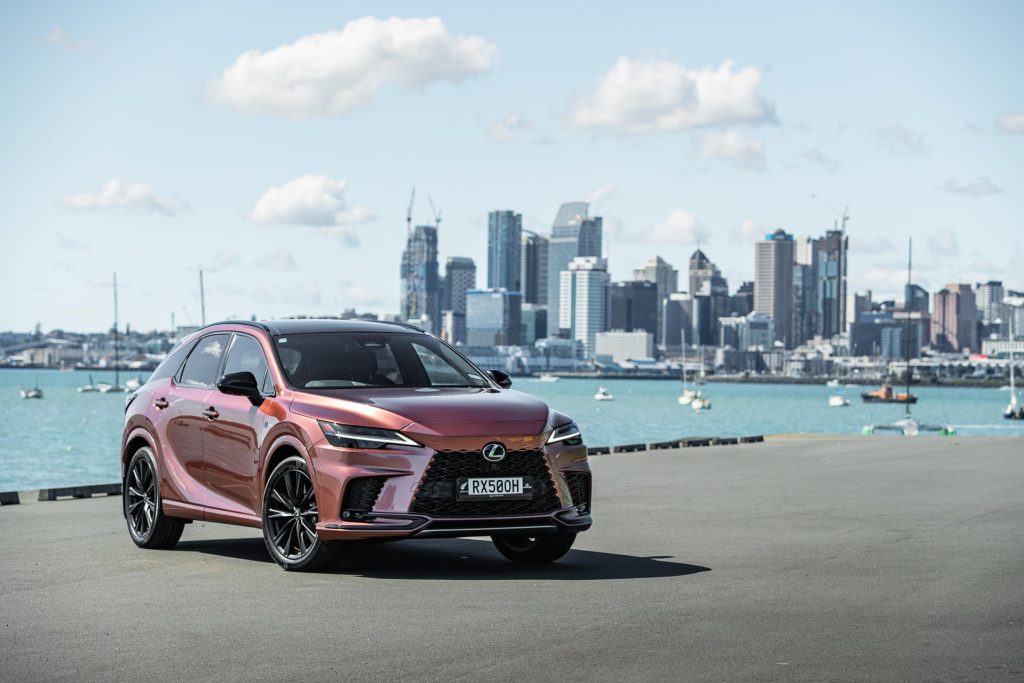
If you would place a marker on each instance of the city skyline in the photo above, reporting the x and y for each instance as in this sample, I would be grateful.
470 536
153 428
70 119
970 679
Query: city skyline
131 154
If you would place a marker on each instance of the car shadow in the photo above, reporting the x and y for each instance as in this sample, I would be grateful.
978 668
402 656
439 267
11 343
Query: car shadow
463 559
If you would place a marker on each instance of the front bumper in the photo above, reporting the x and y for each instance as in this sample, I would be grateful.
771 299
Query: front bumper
402 472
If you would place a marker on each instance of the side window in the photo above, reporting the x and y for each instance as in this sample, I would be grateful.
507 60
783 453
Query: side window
200 369
439 371
170 366
246 355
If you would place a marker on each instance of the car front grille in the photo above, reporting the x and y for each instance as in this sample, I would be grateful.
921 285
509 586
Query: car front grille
436 495
579 489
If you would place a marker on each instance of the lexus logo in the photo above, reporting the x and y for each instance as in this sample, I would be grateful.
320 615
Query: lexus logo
493 452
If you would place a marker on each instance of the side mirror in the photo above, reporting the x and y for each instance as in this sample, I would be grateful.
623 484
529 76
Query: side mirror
501 378
241 384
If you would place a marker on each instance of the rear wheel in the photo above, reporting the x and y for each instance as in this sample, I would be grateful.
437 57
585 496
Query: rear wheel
148 526
289 520
534 549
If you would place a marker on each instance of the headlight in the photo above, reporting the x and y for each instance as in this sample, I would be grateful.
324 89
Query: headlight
349 436
567 432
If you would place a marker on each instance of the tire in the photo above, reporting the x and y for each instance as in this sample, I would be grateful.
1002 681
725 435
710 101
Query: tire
523 549
290 515
148 526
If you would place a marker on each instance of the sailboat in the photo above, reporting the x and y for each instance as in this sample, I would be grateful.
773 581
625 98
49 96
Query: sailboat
686 398
34 392
88 388
907 425
116 387
1014 411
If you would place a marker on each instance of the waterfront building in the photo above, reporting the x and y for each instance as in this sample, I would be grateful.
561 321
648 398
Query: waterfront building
535 322
954 319
573 234
742 302
660 272
534 261
619 346
677 313
773 282
493 317
459 278
420 280
504 250
583 300
453 327
633 305
752 332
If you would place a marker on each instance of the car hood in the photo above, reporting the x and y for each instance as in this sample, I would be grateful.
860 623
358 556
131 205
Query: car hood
451 410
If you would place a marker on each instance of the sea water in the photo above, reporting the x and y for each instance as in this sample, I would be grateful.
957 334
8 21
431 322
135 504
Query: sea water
68 438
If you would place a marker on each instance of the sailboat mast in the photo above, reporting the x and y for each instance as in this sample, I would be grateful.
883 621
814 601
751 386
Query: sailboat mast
117 375
906 326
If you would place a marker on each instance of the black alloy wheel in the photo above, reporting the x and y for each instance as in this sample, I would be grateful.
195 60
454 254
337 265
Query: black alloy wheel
148 526
290 515
524 549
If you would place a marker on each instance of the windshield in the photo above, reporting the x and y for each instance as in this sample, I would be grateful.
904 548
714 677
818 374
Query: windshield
332 360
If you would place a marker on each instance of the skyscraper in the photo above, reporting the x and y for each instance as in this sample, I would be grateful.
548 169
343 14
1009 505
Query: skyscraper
660 272
459 277
420 281
492 317
534 268
989 296
633 306
773 282
583 305
504 250
830 295
701 270
955 319
573 234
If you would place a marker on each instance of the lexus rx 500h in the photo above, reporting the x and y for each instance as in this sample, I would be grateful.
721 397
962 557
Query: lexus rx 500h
324 431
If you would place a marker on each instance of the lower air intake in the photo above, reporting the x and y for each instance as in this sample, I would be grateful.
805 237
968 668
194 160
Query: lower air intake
361 494
579 489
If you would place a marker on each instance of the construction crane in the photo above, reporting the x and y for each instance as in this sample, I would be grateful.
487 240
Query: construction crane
844 215
437 214
408 213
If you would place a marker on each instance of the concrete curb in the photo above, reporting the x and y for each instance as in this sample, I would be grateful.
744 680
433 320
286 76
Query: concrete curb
80 491
686 442
9 498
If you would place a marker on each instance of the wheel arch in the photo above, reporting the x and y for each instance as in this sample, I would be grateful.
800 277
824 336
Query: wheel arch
133 441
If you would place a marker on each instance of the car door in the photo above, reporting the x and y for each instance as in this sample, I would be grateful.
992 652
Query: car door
181 422
233 434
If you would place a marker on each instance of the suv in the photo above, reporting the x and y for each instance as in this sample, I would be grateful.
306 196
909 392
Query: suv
324 431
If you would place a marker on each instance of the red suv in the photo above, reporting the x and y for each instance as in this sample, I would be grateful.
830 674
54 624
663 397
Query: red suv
325 431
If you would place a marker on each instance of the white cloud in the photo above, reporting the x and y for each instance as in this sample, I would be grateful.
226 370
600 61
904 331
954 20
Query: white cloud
900 141
1011 122
118 194
944 243
357 296
681 227
508 129
747 231
219 261
730 146
58 37
336 72
310 200
982 187
647 96
601 194
278 261
818 157
887 281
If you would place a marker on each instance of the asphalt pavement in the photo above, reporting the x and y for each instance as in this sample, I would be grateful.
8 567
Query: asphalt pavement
801 558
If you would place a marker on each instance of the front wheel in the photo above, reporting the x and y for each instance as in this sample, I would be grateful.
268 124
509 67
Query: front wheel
289 520
533 549
148 526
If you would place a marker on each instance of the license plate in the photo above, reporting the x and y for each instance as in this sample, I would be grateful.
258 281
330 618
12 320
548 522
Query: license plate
477 488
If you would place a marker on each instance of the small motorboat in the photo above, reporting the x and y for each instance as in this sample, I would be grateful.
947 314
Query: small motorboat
838 401
887 395
603 395
547 377
34 392
88 388
687 397
700 403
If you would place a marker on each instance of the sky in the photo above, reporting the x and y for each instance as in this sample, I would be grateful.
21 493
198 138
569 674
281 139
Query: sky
275 145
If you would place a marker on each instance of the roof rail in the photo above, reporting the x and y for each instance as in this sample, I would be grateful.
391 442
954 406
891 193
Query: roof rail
408 326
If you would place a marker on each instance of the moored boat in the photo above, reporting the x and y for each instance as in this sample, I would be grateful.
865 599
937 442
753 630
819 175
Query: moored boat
887 395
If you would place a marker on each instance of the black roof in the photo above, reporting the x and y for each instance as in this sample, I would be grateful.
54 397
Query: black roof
298 326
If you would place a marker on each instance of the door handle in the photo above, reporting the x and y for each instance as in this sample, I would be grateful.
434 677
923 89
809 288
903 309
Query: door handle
160 403
211 413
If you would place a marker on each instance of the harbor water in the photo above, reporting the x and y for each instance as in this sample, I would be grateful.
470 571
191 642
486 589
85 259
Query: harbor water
69 438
